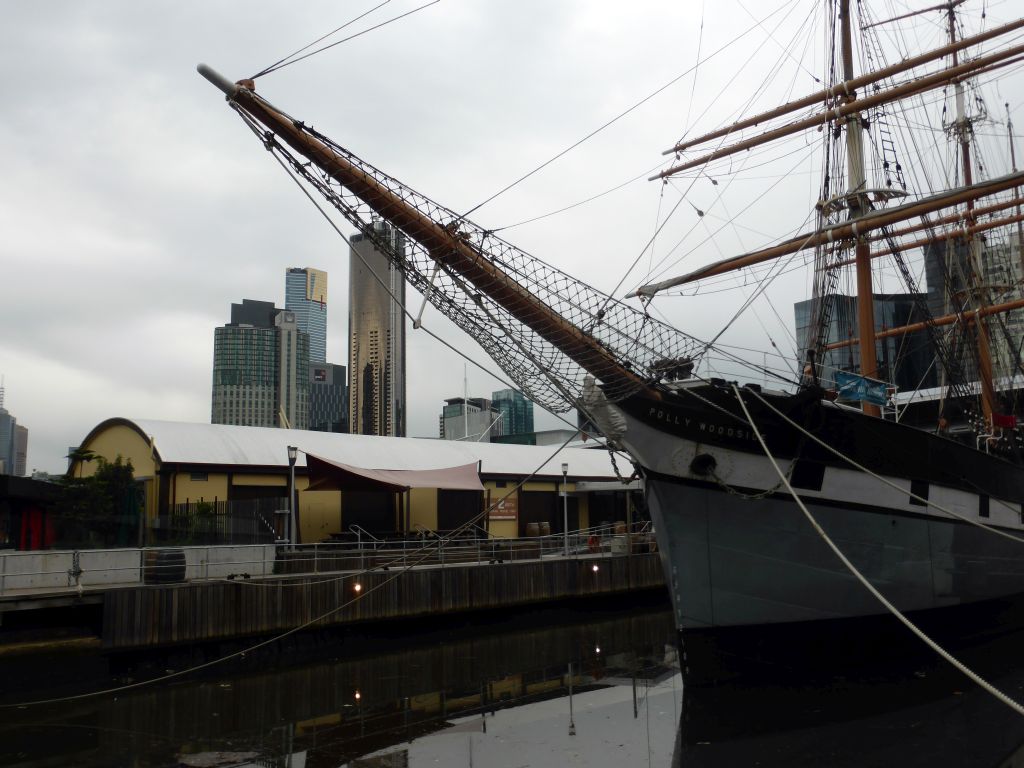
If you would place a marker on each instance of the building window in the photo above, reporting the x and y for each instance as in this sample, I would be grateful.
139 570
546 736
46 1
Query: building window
199 476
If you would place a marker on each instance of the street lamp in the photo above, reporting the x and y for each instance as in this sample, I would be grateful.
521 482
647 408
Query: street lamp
572 721
293 454
565 509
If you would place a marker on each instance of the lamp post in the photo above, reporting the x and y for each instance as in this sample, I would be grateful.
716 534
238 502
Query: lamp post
293 454
572 722
565 509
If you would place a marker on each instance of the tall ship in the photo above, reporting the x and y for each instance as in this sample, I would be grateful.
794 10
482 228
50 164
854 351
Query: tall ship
792 518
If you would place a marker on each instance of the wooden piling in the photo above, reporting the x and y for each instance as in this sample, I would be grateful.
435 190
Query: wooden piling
153 616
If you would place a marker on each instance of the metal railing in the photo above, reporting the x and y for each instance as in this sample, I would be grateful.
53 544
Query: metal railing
46 571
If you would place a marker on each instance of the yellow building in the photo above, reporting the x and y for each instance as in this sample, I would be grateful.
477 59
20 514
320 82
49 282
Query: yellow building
245 471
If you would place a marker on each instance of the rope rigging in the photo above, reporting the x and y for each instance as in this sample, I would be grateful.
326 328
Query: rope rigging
294 58
549 376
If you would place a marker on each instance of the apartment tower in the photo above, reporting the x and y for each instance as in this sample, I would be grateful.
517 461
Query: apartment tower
376 322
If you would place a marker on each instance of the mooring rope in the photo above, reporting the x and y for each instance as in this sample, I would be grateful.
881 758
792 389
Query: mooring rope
867 585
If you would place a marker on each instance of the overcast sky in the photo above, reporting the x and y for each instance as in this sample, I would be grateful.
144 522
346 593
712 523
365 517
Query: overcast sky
135 207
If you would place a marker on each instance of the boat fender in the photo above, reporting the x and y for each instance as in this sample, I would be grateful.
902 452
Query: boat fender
703 464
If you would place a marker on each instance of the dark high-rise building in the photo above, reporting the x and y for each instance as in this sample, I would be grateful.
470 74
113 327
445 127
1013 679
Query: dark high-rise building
260 368
12 461
376 352
20 450
328 398
305 294
516 411
907 361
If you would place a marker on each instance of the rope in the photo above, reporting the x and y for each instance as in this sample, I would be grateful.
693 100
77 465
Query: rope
426 551
867 585
618 117
214 662
279 65
281 62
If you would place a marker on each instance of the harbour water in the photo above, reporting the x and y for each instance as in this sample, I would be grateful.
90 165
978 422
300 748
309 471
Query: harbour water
551 688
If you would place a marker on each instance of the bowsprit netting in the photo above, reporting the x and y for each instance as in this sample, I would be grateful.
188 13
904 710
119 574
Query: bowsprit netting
621 346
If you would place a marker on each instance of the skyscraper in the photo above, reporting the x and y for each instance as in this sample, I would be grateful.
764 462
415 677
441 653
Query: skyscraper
8 439
376 321
305 294
906 361
20 450
260 368
328 398
516 411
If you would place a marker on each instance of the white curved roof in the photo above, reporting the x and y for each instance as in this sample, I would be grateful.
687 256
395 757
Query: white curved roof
179 442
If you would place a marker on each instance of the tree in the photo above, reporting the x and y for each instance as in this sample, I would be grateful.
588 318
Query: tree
104 506
82 456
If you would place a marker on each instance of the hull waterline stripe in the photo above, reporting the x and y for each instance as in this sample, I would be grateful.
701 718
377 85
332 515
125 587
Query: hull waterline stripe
878 477
1012 704
819 501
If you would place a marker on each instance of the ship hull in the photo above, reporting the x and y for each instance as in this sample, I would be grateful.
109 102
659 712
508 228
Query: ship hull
752 582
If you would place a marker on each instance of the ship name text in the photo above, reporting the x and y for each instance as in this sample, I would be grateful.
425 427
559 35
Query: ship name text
669 417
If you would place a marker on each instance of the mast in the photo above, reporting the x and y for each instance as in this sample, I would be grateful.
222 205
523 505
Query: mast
858 207
963 132
1013 167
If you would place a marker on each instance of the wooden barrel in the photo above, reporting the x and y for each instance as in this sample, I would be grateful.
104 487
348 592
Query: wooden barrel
163 566
533 529
545 529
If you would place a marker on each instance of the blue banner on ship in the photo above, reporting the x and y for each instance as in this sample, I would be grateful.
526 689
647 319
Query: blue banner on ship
854 387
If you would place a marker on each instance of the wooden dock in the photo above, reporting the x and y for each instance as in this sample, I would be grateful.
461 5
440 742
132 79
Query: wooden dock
166 615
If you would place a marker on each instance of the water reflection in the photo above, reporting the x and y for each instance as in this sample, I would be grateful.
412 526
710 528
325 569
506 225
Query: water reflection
924 714
595 690
499 685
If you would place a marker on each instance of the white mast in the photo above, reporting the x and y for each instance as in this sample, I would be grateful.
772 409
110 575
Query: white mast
857 205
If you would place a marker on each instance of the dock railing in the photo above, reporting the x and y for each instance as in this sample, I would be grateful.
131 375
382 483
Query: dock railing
41 571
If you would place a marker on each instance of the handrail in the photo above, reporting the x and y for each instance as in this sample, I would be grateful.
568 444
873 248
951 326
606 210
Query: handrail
101 568
359 531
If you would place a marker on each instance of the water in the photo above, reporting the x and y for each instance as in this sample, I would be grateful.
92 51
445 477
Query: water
497 695
925 713
330 700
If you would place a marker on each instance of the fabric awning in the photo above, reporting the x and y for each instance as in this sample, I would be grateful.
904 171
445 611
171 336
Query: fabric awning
327 475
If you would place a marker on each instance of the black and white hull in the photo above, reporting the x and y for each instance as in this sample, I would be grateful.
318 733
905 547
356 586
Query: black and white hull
740 556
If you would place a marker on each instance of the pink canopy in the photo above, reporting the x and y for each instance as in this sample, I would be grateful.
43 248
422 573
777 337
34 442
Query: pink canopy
327 475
